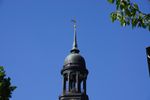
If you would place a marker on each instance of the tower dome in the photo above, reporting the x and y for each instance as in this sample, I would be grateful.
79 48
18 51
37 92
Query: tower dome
74 60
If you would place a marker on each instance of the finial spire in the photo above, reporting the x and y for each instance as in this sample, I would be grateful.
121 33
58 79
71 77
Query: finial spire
75 45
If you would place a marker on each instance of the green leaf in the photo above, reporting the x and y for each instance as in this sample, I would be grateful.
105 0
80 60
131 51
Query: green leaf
1 68
143 24
113 16
117 4
136 6
122 21
111 1
1 74
127 12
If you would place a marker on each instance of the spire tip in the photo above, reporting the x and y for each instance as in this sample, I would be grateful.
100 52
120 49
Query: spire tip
75 46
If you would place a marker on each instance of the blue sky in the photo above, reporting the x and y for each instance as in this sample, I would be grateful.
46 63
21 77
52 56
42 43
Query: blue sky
37 35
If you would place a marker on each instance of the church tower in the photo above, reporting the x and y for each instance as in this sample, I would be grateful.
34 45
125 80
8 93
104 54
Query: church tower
74 74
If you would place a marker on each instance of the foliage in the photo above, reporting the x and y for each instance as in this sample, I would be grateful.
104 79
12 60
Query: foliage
128 13
5 85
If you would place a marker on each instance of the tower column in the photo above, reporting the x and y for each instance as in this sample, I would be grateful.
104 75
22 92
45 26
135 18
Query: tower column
73 86
84 85
64 85
77 82
69 82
